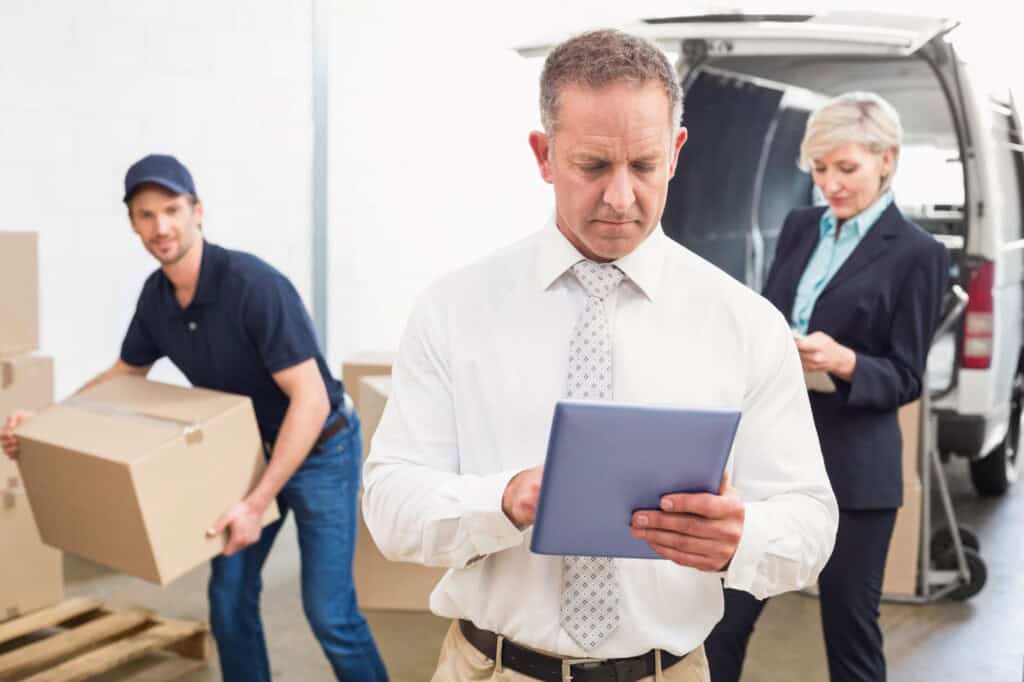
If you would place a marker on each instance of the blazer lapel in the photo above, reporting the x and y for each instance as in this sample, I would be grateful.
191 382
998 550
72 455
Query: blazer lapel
869 249
801 256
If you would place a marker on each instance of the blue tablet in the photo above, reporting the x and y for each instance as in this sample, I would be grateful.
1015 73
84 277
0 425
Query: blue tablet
607 460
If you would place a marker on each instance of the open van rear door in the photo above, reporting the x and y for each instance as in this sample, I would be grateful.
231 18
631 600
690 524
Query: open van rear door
812 33
741 241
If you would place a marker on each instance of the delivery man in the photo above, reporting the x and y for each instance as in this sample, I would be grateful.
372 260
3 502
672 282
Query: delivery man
233 323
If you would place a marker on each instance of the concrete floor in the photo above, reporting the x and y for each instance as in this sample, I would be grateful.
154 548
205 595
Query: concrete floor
978 640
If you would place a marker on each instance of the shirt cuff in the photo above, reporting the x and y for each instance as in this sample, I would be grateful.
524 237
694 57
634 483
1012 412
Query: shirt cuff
742 571
489 529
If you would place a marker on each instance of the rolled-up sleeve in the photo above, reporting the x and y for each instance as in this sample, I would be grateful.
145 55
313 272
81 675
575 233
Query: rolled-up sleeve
791 514
417 504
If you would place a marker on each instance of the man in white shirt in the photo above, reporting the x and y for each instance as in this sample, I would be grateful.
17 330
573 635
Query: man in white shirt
454 470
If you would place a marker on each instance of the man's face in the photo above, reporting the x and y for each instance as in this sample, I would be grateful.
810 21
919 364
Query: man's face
610 162
167 223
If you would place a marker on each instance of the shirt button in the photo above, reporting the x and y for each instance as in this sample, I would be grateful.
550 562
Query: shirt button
192 326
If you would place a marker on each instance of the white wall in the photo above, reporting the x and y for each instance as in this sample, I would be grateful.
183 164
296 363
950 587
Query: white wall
89 87
430 168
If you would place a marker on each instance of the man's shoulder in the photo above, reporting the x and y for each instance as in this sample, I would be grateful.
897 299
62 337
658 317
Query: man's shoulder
245 269
691 272
499 270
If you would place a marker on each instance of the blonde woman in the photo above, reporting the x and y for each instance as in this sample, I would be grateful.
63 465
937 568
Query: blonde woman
862 288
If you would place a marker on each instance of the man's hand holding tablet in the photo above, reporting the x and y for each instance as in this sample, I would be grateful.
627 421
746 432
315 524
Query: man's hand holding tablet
699 530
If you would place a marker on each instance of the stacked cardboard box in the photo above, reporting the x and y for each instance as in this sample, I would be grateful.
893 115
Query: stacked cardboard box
31 574
381 584
35 579
131 473
364 364
901 566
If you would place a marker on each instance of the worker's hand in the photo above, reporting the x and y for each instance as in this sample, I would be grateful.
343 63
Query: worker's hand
819 352
520 499
698 530
8 441
243 522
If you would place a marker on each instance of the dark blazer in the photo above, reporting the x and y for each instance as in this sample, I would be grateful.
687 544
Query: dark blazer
884 303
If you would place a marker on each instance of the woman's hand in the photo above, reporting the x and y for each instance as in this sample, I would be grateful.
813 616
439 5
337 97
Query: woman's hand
819 352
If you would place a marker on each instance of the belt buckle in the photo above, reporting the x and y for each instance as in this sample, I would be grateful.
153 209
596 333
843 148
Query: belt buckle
568 663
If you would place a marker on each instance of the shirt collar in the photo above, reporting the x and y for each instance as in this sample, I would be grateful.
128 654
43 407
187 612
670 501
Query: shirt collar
860 223
642 266
209 275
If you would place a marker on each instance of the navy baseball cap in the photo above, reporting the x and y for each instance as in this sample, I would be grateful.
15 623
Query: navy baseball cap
159 169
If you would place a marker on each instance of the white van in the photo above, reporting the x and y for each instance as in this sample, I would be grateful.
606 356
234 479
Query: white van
752 81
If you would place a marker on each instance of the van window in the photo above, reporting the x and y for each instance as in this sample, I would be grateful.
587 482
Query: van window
1010 164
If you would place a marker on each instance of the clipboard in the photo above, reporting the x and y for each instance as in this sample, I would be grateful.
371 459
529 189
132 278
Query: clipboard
606 460
819 381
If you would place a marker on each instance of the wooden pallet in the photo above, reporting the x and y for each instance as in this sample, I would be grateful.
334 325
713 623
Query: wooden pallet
81 638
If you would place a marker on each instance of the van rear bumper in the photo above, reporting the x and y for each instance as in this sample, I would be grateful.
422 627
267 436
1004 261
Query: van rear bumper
961 434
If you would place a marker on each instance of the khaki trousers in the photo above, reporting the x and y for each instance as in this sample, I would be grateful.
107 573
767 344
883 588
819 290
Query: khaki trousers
461 662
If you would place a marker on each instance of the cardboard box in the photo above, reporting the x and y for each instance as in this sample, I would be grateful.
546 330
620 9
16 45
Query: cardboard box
910 427
366 363
131 473
901 565
383 584
19 280
26 383
31 574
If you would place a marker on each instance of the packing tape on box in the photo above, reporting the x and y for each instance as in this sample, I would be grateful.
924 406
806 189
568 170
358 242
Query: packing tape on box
192 431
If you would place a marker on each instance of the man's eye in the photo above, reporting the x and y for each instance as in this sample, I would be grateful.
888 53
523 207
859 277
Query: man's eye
643 167
593 167
848 169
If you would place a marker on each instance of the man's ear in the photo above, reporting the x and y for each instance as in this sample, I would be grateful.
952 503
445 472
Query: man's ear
541 146
680 140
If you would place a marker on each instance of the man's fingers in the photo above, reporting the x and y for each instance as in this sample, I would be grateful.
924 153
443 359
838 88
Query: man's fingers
708 505
684 543
698 561
219 525
681 524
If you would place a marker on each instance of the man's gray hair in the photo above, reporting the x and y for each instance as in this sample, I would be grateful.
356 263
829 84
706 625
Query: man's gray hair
600 58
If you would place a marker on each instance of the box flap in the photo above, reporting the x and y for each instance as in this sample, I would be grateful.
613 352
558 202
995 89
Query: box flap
127 418
104 435
155 399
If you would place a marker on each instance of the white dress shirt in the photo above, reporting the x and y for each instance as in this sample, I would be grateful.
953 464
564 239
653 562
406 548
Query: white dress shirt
479 369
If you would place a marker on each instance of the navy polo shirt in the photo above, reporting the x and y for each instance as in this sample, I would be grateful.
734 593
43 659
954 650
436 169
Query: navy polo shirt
245 322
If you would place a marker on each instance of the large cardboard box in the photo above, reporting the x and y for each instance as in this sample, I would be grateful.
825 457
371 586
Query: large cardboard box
31 574
19 282
26 383
131 473
363 364
383 584
901 565
910 428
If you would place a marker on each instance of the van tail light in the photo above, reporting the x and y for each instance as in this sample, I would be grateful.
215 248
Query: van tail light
978 322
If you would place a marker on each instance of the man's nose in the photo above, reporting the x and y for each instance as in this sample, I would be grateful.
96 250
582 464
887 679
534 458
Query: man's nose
619 194
163 224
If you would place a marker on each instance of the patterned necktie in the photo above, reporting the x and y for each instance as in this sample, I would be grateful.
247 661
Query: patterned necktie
590 585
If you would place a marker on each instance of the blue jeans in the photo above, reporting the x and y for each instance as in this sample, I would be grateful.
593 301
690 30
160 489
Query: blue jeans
322 493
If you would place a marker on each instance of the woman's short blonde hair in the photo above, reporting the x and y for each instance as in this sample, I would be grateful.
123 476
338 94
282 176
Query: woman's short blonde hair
861 118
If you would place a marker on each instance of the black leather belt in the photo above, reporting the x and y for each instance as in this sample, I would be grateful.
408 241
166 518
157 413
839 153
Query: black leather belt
330 430
554 669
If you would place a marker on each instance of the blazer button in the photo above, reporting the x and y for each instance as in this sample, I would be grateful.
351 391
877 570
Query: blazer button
192 326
